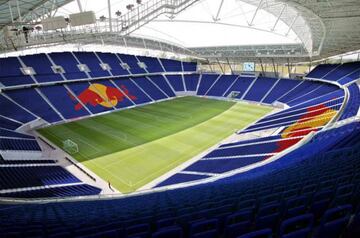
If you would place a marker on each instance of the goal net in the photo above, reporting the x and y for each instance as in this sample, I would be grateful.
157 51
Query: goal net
234 94
70 146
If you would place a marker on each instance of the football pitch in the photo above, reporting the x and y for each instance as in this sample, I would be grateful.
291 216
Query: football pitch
131 148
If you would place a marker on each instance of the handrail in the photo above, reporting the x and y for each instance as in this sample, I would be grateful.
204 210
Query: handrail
81 169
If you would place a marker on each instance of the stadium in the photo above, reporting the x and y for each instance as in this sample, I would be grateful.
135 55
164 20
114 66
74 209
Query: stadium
180 118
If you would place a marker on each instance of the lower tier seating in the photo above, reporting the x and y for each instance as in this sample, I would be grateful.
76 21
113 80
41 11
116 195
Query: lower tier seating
19 144
314 195
65 191
32 176
353 104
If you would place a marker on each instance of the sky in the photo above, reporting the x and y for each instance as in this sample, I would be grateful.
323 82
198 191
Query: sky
195 27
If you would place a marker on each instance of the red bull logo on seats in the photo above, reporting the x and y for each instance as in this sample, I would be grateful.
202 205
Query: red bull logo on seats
106 96
314 118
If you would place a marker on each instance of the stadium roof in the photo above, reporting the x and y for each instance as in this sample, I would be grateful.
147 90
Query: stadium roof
18 11
310 30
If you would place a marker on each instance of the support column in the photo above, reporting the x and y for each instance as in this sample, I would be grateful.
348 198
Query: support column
109 10
275 70
289 68
11 13
79 5
262 67
278 19
222 70
227 59
18 10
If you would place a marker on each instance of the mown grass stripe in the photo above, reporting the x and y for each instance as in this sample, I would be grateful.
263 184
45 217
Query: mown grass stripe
135 146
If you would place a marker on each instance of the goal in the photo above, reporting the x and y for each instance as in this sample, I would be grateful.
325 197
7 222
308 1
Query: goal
70 146
234 94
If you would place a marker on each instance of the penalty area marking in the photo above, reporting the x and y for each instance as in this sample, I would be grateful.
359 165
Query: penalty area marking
129 183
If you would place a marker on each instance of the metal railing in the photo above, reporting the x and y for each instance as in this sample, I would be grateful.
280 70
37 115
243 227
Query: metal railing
148 11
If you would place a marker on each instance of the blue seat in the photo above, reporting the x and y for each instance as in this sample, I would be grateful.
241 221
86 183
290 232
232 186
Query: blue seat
353 230
297 227
238 223
204 229
63 234
247 204
173 232
268 216
264 233
295 206
269 199
343 195
165 222
334 222
103 234
320 202
140 230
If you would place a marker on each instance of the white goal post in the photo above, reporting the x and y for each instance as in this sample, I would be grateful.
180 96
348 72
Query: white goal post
234 94
70 146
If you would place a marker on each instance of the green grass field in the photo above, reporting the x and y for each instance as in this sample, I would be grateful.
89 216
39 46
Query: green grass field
131 148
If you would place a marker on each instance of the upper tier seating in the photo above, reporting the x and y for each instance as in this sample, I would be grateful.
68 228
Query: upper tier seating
114 63
299 91
69 63
282 87
133 63
240 86
173 65
221 85
153 65
342 73
207 81
260 88
61 66
42 67
11 74
177 82
319 91
93 63
191 82
322 70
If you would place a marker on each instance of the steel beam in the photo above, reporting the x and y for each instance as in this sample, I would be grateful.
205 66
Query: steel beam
278 18
219 10
109 10
79 5
18 10
11 13
255 13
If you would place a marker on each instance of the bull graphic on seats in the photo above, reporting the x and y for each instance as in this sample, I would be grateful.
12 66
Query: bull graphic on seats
99 94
